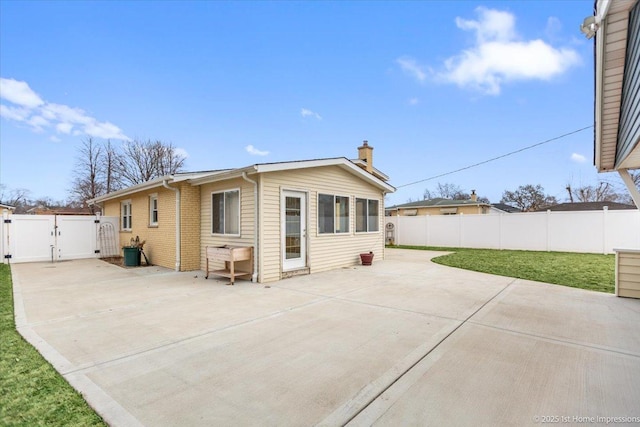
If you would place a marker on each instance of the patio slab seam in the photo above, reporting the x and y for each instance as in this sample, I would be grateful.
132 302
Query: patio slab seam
559 340
372 397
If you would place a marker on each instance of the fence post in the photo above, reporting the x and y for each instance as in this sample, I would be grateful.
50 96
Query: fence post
460 229
548 227
4 241
500 231
605 210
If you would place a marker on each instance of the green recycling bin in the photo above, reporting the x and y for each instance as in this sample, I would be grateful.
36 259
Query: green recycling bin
131 256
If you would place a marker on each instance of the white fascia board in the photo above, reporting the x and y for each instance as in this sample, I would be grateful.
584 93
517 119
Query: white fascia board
600 43
376 172
157 182
220 176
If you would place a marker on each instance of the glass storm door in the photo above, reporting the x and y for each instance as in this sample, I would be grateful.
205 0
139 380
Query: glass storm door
294 230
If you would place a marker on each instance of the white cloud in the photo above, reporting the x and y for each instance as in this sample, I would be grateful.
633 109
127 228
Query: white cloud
54 138
578 158
254 151
499 56
411 67
414 101
64 127
40 115
308 113
181 152
19 93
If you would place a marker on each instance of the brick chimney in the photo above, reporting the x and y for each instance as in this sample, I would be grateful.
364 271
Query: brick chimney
365 153
474 196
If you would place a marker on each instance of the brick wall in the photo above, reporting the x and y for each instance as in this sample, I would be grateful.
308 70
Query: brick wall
161 238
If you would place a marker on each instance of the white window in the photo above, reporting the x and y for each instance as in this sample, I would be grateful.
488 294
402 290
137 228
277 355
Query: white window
367 215
333 214
225 212
125 215
153 210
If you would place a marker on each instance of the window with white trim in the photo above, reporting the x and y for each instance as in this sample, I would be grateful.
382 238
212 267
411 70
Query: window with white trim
125 215
225 212
367 215
153 210
333 214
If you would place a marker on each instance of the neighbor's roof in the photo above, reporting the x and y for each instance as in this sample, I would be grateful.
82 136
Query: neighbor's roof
204 177
7 207
437 202
587 206
611 58
506 208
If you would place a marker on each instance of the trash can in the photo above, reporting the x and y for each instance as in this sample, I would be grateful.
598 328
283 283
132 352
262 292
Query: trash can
131 256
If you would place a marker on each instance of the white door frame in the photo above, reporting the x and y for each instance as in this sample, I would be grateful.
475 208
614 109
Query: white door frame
301 261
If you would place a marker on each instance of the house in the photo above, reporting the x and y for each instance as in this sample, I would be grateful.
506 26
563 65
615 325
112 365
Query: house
43 210
586 206
503 208
6 208
300 217
616 27
441 206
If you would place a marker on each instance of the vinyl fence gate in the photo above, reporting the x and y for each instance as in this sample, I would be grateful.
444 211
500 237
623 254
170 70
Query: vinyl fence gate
37 238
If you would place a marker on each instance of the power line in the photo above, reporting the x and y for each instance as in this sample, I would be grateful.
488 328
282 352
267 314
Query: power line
498 157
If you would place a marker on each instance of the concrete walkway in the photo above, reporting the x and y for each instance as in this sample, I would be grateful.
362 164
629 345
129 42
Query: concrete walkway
404 342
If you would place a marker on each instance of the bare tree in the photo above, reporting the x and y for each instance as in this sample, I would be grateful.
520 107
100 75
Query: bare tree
449 191
528 198
602 192
141 161
109 165
88 181
17 197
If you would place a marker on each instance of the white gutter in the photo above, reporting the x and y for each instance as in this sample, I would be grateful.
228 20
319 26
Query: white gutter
254 277
631 186
178 221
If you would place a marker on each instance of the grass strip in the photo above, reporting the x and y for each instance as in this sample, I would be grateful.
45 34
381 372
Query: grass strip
32 392
593 272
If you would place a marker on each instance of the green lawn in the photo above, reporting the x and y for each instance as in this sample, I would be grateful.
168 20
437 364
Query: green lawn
32 393
586 271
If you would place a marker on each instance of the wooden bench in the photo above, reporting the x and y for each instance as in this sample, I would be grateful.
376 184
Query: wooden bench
230 255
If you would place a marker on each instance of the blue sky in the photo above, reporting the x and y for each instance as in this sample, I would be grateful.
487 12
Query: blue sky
433 86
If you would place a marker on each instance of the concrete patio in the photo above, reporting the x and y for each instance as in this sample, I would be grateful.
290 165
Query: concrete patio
404 342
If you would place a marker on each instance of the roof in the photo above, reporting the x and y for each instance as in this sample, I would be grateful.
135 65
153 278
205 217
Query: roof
7 207
204 177
437 202
587 206
612 21
506 208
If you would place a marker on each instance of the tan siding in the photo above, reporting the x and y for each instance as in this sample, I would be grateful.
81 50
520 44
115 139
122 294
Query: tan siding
437 210
247 209
324 252
628 274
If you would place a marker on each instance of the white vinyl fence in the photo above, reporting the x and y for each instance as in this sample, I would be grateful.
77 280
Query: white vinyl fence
32 238
586 231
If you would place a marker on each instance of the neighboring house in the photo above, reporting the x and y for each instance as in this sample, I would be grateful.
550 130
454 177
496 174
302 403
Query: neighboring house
41 210
440 206
616 26
503 208
300 216
586 206
6 208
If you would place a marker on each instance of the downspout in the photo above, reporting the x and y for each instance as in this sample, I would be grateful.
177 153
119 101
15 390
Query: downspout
254 277
178 222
